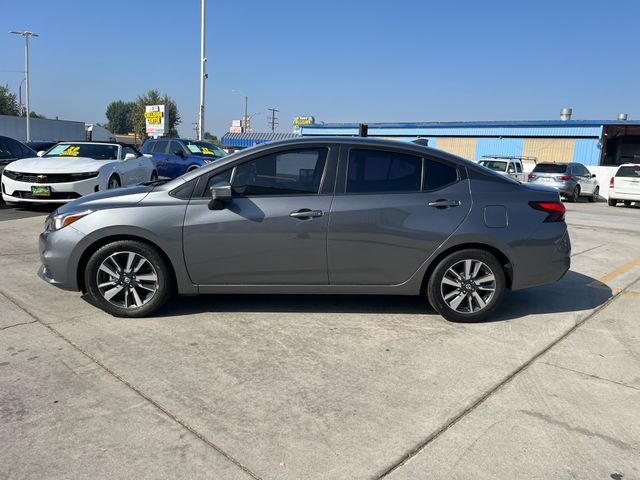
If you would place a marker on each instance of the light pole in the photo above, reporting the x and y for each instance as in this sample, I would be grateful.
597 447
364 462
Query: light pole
20 97
26 35
203 74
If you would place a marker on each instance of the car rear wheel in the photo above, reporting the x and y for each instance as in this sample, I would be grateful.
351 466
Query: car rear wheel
466 286
596 194
128 279
574 195
627 203
114 182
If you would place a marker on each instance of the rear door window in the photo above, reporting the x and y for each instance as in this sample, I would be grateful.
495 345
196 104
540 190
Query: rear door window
160 146
518 167
372 171
438 175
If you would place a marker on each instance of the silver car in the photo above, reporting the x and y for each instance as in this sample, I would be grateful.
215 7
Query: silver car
572 180
319 216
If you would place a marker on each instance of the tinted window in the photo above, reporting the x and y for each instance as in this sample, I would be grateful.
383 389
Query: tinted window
518 167
582 170
160 146
9 148
286 173
371 171
175 147
550 168
633 171
148 146
438 175
217 178
203 148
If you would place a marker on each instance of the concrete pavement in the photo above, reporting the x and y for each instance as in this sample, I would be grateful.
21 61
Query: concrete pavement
327 387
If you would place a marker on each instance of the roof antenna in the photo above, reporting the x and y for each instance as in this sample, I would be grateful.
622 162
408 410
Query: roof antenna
363 130
421 141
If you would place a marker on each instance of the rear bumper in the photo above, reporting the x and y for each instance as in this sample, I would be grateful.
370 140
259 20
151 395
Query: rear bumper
544 258
634 197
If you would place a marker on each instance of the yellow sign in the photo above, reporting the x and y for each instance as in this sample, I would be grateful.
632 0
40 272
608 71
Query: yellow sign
71 152
206 151
154 118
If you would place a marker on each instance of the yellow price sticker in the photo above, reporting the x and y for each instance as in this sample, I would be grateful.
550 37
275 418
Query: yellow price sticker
206 151
71 151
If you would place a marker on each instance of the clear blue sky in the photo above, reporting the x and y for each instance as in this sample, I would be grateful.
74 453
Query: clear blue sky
348 60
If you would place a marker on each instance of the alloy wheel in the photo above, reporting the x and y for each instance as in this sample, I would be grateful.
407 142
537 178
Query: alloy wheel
468 286
127 280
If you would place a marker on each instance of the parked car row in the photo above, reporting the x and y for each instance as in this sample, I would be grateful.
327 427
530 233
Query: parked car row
69 170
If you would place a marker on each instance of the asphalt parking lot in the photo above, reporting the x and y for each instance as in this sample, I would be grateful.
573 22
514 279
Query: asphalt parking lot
304 387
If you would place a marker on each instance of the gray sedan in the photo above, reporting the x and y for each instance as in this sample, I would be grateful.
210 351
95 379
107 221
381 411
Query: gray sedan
320 216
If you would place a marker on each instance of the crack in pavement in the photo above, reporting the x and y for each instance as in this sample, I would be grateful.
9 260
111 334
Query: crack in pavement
132 387
590 375
18 324
493 390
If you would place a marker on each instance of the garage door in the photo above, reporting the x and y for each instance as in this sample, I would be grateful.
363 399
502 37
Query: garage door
549 150
464 147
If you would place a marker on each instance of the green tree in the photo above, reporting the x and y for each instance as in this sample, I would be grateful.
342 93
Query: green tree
8 103
212 138
153 97
119 115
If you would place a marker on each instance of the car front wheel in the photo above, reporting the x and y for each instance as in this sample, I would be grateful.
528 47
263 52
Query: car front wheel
466 286
128 278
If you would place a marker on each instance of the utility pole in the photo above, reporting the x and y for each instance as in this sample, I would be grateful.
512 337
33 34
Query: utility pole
203 74
274 120
26 35
245 120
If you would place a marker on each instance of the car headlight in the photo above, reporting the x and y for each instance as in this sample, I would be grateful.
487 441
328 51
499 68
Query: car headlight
57 221
83 176
10 174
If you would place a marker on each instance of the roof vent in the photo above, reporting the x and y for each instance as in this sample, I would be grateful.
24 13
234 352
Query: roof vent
623 117
565 114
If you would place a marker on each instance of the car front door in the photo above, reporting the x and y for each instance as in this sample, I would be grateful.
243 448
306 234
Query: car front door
176 159
159 156
390 217
274 229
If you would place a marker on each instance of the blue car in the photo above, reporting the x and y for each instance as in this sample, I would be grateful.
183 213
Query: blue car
175 156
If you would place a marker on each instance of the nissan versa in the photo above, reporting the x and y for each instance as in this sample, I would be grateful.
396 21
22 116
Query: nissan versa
315 216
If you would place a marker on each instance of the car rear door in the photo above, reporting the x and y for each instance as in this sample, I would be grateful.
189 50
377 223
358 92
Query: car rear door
159 157
273 231
390 216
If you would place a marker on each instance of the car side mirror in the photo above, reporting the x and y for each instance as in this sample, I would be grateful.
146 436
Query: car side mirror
179 153
129 156
40 153
511 170
221 194
593 175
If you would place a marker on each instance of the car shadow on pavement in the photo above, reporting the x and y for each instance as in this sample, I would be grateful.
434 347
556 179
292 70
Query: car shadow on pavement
575 292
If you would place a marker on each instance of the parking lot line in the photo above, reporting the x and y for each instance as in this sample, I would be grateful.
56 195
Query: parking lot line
620 270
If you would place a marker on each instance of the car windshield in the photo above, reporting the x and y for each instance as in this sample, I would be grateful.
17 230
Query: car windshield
550 168
96 151
497 166
629 171
204 148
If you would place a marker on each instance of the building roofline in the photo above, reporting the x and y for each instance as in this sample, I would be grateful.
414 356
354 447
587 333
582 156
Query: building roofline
488 124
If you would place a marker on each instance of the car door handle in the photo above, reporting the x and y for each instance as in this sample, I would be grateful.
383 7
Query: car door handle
442 203
306 213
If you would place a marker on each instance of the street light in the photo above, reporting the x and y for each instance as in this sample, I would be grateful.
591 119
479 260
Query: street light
203 73
26 35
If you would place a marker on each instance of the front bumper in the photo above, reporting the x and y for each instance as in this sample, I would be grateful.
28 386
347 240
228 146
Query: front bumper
14 191
59 256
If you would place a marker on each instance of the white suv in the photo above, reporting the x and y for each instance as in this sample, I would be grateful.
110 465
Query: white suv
625 185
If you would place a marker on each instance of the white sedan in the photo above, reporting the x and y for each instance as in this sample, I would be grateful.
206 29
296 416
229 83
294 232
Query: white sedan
70 170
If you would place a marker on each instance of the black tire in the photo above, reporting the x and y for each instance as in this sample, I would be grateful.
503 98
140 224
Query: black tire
575 195
627 203
612 202
154 176
151 302
114 182
595 196
435 286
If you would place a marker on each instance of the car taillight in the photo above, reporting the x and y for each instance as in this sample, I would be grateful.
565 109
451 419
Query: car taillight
564 177
611 183
554 209
531 175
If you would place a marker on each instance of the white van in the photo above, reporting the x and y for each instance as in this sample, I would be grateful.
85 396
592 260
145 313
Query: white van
507 166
